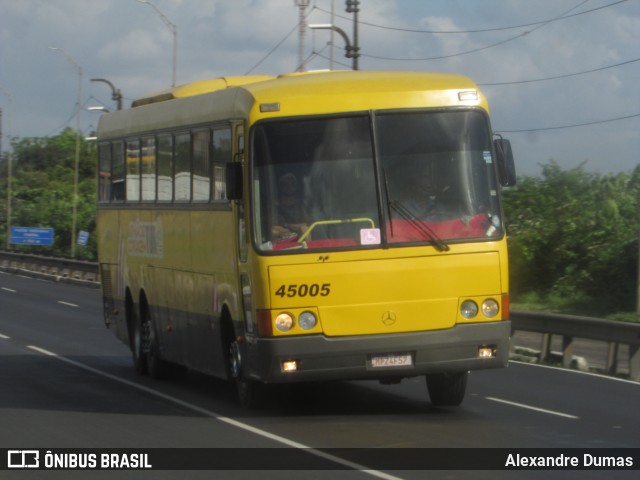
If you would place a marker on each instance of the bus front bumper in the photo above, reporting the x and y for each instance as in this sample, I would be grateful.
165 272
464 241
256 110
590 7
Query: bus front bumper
462 348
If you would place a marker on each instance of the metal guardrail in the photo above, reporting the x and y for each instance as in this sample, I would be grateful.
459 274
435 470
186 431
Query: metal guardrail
59 269
569 327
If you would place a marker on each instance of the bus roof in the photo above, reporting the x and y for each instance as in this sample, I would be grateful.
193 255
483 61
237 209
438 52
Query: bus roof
294 94
198 88
340 91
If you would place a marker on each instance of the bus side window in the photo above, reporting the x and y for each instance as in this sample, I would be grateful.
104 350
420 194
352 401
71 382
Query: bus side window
148 168
104 172
221 156
165 167
201 166
182 175
118 172
133 170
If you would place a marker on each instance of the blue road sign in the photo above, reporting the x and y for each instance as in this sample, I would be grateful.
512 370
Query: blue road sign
31 236
83 237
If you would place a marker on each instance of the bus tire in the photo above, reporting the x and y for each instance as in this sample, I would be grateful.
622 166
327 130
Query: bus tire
139 340
155 365
447 389
250 392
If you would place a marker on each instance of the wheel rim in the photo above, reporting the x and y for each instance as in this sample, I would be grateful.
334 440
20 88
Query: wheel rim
235 360
137 340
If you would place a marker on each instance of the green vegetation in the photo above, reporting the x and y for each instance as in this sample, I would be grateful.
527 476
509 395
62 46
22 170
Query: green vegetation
573 234
42 192
573 239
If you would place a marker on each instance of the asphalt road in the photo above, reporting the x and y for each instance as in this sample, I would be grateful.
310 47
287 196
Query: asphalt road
66 382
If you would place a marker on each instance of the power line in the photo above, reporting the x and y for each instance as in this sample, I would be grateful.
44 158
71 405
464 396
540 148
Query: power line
67 122
493 29
273 49
516 82
338 62
279 43
486 47
597 122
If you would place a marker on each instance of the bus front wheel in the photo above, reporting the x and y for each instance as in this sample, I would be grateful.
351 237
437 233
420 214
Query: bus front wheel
447 389
250 392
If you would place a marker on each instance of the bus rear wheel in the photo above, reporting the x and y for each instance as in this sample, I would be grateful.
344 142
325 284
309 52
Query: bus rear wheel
139 342
447 389
155 365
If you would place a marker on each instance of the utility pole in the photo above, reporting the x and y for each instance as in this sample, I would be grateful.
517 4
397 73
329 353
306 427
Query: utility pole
174 31
74 214
302 7
353 7
9 174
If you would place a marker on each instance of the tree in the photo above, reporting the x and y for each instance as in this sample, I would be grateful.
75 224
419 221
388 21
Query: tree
573 236
42 190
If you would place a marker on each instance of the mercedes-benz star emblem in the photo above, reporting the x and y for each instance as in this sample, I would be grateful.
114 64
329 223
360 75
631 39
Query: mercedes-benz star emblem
389 317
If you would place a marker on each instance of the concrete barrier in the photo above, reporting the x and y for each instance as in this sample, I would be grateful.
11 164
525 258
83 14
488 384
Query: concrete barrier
57 269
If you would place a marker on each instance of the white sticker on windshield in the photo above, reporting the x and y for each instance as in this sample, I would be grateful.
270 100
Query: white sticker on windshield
370 236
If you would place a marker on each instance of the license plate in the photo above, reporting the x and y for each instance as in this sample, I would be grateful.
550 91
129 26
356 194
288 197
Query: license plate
391 360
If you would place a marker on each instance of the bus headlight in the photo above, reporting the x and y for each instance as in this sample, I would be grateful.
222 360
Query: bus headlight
490 308
469 309
284 322
307 320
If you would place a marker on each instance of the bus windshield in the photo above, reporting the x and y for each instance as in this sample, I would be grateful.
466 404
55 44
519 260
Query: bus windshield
325 183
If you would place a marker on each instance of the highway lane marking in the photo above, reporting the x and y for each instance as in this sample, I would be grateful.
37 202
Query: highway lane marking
68 304
4 337
230 421
531 407
8 289
577 372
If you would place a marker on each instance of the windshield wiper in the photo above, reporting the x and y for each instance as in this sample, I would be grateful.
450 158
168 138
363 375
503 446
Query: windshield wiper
408 215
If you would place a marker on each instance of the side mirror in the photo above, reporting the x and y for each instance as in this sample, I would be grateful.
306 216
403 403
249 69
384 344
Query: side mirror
233 179
506 164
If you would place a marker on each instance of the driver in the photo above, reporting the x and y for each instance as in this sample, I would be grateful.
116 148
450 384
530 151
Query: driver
292 218
422 199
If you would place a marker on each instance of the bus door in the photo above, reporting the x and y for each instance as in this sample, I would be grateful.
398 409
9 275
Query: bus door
242 240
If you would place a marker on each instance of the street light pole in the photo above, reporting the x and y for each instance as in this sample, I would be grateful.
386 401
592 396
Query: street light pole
74 216
350 51
174 31
9 174
116 95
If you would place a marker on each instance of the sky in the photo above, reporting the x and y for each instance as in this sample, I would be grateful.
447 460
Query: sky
562 76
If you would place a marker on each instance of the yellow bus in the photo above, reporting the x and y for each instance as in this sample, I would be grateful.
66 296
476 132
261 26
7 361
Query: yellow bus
308 227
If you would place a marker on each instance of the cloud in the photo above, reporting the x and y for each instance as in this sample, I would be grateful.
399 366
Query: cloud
135 46
128 43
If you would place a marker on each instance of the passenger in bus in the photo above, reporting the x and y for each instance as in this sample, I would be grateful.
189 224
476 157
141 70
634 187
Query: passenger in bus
292 218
